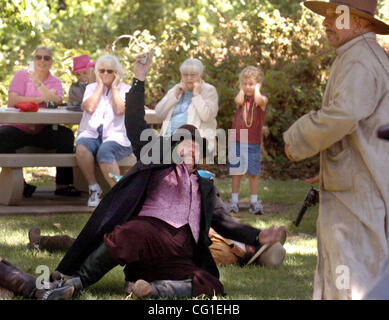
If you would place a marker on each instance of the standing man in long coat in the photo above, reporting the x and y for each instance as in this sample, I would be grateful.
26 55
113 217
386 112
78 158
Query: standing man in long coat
353 221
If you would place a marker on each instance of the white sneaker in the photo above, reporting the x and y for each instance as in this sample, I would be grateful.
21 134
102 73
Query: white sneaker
256 207
233 206
94 197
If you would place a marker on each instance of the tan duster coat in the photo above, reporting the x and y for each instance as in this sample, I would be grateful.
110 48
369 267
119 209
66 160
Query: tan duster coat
353 221
202 111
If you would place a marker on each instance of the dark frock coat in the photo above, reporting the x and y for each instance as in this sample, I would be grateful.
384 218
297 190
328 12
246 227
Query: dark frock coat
126 198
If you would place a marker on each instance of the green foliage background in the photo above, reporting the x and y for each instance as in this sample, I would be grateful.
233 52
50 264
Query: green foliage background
282 37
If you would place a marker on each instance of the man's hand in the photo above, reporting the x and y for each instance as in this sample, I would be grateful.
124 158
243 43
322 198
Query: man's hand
312 180
288 154
272 235
140 69
197 88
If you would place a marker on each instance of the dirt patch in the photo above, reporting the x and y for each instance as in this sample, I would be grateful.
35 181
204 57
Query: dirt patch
274 207
269 207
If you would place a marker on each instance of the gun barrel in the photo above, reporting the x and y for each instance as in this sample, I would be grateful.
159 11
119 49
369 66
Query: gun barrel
300 215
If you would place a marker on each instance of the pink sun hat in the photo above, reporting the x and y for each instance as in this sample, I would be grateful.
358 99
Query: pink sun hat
81 63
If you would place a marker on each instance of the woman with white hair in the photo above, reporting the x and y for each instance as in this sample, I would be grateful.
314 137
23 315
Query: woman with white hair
192 101
102 134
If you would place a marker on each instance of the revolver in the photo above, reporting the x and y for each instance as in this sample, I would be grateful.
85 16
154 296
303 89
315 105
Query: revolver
310 200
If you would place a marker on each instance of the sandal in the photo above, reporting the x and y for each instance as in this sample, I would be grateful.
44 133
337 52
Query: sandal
68 191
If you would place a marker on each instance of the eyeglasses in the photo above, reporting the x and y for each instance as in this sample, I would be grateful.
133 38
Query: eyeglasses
189 75
39 57
109 71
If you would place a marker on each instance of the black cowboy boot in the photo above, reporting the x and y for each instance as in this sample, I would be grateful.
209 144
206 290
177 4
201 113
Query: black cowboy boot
54 293
21 283
162 289
64 280
49 243
16 280
95 266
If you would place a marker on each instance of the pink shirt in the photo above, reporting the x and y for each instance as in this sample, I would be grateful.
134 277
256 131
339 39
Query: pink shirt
173 196
23 86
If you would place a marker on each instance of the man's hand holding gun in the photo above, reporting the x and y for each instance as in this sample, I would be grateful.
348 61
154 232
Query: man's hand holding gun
310 200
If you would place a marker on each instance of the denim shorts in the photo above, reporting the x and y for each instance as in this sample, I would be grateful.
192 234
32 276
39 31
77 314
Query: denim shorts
108 151
244 158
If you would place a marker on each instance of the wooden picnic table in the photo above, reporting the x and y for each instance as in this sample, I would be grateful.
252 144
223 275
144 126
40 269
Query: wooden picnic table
11 176
61 115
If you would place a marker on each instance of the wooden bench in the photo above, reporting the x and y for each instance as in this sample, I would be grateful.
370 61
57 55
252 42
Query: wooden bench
11 176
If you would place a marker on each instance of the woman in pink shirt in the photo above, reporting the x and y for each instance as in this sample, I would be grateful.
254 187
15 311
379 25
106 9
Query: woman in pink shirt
39 86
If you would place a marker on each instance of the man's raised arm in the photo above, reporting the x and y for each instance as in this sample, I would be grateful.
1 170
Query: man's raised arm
135 101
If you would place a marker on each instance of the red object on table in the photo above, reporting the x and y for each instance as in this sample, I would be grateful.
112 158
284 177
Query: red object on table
27 106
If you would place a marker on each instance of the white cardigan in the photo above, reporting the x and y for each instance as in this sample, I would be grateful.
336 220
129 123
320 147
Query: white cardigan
202 112
113 125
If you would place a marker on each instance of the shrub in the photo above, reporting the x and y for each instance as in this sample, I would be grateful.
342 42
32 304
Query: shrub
284 38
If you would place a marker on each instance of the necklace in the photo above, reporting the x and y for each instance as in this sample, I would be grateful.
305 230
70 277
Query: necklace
248 125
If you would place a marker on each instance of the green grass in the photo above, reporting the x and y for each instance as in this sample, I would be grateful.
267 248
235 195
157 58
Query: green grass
292 280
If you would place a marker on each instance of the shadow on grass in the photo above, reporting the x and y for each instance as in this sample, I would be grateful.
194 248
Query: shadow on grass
292 280
72 223
29 260
286 218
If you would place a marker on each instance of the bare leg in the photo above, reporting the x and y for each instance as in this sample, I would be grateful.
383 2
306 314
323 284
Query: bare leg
107 168
253 181
235 185
86 162
256 206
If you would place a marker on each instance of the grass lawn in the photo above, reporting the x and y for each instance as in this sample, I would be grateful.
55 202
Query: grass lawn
282 200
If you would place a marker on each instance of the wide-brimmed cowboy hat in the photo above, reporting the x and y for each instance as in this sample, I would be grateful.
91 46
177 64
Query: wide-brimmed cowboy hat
270 256
362 8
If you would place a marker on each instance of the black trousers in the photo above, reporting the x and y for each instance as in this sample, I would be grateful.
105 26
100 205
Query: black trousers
62 140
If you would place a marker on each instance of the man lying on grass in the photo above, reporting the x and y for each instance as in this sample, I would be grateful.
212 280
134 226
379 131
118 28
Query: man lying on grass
156 219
